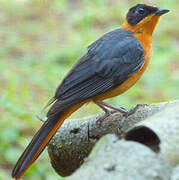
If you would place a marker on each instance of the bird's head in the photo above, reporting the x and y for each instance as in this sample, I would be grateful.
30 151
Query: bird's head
143 18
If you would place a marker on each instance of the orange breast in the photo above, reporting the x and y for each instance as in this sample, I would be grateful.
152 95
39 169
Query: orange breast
146 42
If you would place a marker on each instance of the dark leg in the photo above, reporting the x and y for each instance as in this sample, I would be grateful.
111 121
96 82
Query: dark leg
122 111
107 111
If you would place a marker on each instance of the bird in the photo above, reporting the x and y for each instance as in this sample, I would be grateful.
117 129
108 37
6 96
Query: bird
111 65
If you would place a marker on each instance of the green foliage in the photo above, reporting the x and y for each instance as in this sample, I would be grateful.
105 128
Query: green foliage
41 40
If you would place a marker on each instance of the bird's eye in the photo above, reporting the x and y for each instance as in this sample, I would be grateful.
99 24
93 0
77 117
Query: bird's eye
141 11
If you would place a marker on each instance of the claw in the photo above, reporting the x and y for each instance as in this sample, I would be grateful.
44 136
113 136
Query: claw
133 110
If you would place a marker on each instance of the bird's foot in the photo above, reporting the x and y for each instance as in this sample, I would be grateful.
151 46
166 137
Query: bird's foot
127 113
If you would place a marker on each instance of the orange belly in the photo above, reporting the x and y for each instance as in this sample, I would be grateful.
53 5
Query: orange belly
124 86
147 45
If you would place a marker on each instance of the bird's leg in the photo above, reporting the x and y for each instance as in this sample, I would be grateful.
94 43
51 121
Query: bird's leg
122 111
107 111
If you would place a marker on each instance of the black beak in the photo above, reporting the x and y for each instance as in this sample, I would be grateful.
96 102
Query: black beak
160 12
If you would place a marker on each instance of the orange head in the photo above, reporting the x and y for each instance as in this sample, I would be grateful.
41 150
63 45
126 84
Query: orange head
143 18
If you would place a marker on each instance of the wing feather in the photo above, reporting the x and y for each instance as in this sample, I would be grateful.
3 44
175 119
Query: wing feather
109 62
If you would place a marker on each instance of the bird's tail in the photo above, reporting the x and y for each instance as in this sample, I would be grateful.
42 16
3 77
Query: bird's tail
40 140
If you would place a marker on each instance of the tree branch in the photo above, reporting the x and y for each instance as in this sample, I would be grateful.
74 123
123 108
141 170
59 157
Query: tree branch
75 139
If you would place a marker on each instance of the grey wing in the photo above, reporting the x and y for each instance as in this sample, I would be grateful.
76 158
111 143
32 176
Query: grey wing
108 62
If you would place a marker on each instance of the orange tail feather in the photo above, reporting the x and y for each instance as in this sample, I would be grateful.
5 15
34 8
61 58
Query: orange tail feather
40 140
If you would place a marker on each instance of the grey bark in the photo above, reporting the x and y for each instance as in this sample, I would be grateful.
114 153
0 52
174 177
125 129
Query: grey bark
162 130
175 173
114 159
75 139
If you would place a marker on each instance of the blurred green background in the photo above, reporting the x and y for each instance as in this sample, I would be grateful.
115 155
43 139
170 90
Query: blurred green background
41 40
